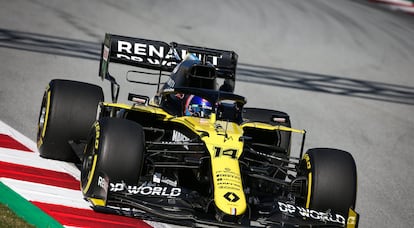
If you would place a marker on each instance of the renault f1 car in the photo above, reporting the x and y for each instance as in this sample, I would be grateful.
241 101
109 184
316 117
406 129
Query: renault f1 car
192 154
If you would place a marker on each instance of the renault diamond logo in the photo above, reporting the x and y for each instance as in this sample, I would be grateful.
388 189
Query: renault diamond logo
231 197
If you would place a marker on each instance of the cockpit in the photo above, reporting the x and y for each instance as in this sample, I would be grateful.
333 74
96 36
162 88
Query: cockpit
186 101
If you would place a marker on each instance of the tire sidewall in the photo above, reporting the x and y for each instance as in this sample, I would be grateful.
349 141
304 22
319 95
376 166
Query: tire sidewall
332 180
118 147
70 110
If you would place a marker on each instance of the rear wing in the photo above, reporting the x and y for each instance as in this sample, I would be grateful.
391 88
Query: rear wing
158 55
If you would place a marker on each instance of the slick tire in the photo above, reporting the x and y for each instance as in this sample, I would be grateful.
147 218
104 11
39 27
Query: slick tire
268 116
114 152
332 180
67 112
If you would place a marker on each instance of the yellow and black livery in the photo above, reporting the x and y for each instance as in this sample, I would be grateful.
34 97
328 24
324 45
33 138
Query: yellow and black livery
229 166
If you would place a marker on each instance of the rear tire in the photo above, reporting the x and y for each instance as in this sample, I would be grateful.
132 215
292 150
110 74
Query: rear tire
332 180
67 112
115 152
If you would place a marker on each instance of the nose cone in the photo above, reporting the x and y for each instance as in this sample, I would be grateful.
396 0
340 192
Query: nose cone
228 189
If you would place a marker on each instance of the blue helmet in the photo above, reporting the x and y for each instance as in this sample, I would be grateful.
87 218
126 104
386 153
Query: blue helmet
197 106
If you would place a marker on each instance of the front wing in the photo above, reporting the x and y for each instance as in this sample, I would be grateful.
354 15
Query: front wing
188 210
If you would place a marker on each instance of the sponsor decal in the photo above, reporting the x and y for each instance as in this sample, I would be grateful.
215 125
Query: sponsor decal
142 49
155 62
102 183
97 134
231 197
151 54
229 180
144 53
169 182
158 178
146 190
309 213
179 137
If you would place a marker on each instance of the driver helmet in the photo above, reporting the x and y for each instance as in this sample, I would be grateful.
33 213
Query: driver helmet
197 106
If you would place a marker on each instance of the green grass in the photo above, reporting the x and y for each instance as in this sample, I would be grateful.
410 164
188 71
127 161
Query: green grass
9 219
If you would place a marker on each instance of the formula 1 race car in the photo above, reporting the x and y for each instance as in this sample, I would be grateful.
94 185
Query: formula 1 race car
192 154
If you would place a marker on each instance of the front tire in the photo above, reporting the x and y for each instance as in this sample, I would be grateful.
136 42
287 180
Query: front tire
115 152
67 112
332 180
